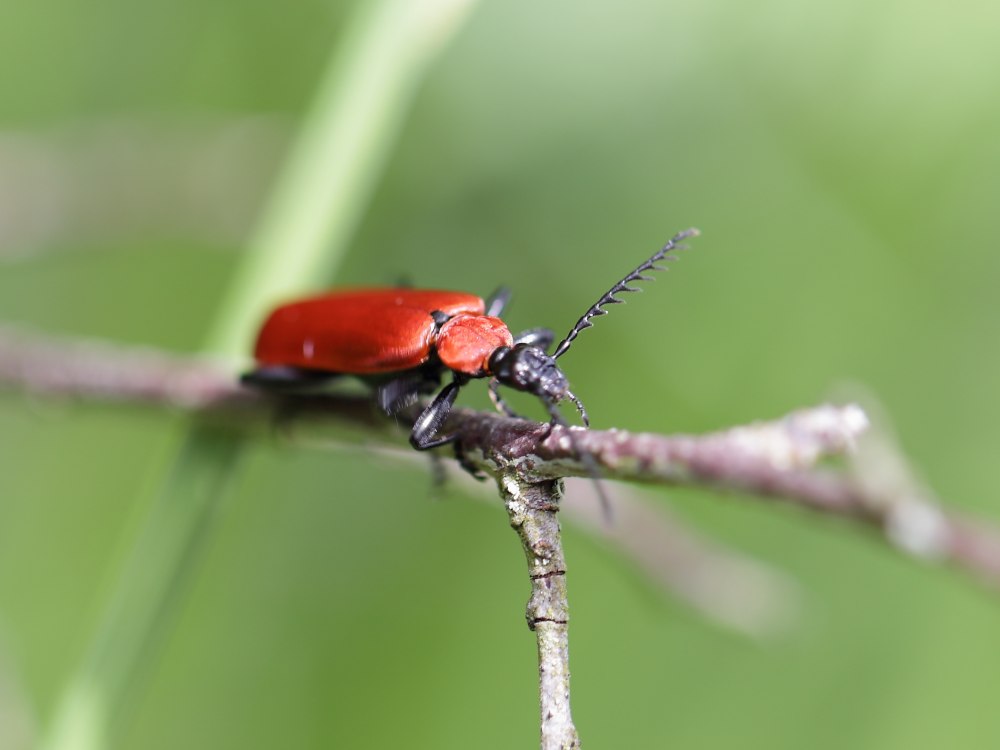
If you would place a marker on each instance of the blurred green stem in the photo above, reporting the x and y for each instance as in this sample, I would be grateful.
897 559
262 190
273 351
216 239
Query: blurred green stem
357 115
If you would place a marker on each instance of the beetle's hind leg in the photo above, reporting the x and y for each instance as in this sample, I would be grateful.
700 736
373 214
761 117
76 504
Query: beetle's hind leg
439 468
285 379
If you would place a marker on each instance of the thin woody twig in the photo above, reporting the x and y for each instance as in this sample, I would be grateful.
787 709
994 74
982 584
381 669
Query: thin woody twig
84 368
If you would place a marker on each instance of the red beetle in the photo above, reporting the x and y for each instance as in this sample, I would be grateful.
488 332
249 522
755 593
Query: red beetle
403 341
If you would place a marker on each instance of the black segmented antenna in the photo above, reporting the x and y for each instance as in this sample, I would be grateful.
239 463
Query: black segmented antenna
623 286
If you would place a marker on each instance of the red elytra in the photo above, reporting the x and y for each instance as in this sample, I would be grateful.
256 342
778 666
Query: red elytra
381 330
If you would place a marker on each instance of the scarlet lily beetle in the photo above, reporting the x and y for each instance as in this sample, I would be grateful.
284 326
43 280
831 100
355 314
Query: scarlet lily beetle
404 340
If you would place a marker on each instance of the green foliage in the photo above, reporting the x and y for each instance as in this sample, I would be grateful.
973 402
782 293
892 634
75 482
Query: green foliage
840 160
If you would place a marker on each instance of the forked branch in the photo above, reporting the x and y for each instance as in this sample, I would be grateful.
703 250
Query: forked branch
770 460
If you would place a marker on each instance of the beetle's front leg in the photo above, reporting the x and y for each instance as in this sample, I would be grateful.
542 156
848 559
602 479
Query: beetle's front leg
424 435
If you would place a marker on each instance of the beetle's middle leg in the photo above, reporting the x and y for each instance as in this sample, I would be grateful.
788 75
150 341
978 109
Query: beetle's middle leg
540 337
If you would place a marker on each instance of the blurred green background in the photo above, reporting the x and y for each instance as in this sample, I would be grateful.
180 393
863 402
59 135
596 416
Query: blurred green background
841 160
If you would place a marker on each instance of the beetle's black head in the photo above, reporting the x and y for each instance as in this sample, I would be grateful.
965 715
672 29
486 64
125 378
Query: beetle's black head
527 368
